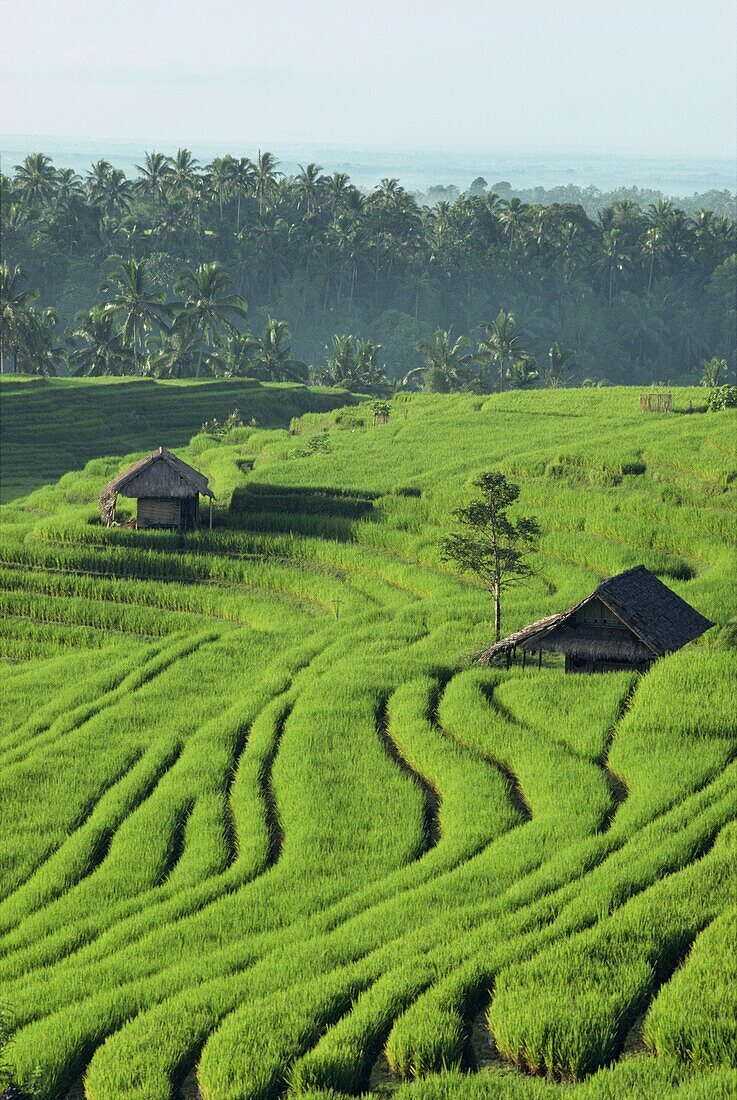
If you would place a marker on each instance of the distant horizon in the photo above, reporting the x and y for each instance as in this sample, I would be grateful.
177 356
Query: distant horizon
159 144
417 169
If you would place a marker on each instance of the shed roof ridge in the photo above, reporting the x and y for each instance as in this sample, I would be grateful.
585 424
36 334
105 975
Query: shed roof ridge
673 621
183 470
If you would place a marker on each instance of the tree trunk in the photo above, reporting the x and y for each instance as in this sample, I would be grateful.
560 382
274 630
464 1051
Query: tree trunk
497 612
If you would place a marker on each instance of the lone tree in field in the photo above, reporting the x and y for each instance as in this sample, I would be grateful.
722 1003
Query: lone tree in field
493 546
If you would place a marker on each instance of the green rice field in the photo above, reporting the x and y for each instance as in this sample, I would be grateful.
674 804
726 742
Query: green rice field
51 425
267 830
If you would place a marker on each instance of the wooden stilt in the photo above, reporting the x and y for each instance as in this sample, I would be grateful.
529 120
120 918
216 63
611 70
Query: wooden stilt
539 658
524 658
211 513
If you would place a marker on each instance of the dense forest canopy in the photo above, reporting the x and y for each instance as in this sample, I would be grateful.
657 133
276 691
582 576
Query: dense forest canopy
233 268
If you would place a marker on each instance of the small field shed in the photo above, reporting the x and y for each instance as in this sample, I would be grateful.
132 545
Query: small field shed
626 623
167 490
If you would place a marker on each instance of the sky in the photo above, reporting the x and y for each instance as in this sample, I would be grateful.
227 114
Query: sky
653 77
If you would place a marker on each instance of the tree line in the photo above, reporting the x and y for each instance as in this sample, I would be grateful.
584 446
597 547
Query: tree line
152 274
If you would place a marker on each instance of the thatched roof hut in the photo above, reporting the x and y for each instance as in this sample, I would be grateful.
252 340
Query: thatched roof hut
627 622
167 490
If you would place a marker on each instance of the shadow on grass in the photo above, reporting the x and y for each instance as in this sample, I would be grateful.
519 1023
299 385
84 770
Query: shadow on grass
322 512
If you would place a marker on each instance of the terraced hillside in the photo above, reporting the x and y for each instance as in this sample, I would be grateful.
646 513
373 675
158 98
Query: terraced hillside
265 829
51 425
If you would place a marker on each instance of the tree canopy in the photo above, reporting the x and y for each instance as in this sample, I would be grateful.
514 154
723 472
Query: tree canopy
634 292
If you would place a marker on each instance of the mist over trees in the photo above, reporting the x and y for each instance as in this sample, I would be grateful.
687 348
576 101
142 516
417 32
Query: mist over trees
233 268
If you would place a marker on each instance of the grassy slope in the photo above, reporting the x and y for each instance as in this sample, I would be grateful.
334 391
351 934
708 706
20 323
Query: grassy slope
49 426
259 817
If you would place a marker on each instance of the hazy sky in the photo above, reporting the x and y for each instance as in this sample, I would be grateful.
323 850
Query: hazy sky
645 77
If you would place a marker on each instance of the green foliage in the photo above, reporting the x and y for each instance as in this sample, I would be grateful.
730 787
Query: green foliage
217 430
722 397
629 280
382 411
712 372
493 546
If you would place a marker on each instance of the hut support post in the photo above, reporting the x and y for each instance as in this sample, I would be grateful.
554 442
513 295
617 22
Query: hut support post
539 658
524 658
211 513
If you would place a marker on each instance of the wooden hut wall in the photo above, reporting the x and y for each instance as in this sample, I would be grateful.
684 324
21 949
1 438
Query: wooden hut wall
593 633
158 512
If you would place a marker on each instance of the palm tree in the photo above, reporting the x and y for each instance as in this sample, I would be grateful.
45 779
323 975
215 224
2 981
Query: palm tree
265 178
341 362
446 362
47 355
536 226
175 353
102 350
659 213
133 234
417 285
96 179
274 354
242 180
650 249
68 188
353 364
500 344
271 236
219 176
561 361
239 355
307 186
512 218
139 308
523 372
389 192
569 249
369 374
182 174
16 315
337 187
154 172
611 259
207 308
112 194
35 179
641 328
712 371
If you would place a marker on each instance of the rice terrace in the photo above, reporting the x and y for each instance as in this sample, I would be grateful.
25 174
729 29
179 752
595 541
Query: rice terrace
368 550
269 828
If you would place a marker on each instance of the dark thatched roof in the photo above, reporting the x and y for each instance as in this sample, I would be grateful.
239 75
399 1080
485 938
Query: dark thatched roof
174 475
160 474
654 621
